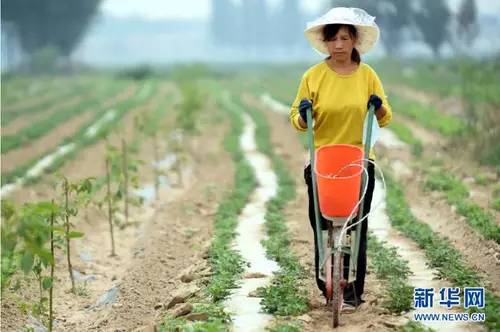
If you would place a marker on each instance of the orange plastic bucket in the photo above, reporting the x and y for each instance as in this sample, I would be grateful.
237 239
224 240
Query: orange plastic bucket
338 170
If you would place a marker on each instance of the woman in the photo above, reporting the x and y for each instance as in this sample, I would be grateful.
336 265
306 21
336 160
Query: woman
339 89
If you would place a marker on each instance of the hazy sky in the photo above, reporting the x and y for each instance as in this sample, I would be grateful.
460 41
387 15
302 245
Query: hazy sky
177 9
154 9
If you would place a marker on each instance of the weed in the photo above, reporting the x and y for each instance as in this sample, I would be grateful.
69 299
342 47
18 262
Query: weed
82 290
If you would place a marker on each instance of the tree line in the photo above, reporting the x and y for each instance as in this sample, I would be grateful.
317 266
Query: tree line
58 25
430 21
251 23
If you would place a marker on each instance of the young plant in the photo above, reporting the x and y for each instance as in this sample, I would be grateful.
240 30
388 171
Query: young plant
52 268
121 171
129 176
34 232
111 203
125 179
190 106
9 242
175 142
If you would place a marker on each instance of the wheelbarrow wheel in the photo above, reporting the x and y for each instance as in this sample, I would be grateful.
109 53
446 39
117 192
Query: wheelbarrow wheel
338 289
329 278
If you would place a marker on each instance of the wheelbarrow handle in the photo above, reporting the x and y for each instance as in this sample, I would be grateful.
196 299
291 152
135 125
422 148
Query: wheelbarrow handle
367 144
310 136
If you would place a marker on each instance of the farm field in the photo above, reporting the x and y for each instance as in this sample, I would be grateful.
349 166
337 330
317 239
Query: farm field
150 184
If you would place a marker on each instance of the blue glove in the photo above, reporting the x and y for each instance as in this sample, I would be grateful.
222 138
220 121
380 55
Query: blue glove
375 101
303 106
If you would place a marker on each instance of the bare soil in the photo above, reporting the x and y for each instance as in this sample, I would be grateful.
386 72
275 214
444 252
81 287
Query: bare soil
433 210
53 138
163 240
458 161
451 105
29 119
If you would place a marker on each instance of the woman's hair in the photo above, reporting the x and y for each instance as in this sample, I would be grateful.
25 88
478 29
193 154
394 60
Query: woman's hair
330 30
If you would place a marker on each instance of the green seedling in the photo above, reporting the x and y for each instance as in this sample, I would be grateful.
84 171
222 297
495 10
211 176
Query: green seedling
76 195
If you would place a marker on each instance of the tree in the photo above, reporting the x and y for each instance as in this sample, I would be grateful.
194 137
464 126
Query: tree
49 23
467 30
468 27
396 18
432 19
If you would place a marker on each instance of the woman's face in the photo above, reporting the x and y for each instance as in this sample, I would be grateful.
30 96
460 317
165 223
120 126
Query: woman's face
341 45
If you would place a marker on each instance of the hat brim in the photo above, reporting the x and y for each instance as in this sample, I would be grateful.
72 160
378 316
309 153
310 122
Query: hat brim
367 36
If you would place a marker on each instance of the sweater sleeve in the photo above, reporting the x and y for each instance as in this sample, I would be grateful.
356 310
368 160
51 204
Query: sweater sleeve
302 93
378 89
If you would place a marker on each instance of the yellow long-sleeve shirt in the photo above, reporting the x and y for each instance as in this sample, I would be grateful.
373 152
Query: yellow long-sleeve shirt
339 103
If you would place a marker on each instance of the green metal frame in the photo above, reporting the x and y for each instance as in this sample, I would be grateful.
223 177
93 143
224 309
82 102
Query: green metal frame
319 235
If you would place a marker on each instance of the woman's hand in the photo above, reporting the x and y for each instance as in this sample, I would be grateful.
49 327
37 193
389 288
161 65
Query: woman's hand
375 101
304 105
377 104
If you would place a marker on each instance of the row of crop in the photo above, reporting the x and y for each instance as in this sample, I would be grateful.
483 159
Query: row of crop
439 251
384 259
286 295
455 192
16 89
405 134
430 117
71 89
281 82
478 98
81 137
473 80
30 230
227 264
53 120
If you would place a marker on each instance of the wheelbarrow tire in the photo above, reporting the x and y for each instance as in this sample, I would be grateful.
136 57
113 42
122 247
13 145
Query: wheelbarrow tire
329 278
337 296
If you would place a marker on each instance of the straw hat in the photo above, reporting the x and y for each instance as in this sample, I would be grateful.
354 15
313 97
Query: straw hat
368 32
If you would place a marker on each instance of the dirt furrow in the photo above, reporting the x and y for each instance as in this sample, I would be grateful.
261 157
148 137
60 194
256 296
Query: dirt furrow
90 254
371 315
459 162
443 219
40 146
169 242
30 119
57 88
450 105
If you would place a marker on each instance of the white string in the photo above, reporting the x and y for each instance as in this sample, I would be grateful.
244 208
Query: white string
345 228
